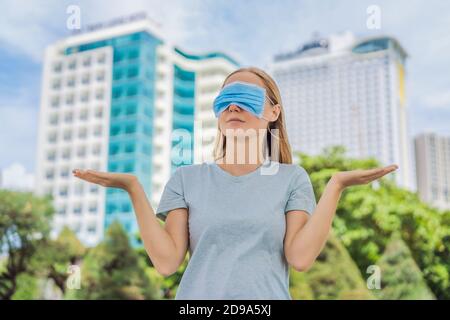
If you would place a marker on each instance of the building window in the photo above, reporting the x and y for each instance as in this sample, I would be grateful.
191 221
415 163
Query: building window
64 173
56 84
84 114
82 133
99 95
93 189
101 58
72 65
67 135
53 119
71 82
117 74
133 72
126 207
52 137
68 117
85 79
132 91
49 191
129 148
91 228
81 152
98 131
87 62
63 191
96 166
69 99
99 112
93 207
50 174
85 97
57 67
79 189
115 130
129 167
100 76
96 149
66 154
62 210
77 228
51 156
77 208
129 129
114 149
55 102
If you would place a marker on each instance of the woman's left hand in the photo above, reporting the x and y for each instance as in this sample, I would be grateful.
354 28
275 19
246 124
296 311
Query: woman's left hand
355 177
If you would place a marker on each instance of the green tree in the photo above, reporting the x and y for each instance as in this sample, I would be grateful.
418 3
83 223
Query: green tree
27 287
168 285
56 255
401 278
367 216
171 283
24 226
113 270
334 275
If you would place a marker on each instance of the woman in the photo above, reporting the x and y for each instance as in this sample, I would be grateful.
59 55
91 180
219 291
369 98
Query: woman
244 222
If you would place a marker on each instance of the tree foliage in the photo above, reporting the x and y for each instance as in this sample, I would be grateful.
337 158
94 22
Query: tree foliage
113 270
368 215
24 226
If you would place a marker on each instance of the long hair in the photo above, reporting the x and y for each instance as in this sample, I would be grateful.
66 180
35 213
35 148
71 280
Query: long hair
284 148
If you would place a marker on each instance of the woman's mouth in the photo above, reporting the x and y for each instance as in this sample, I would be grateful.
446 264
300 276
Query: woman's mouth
235 121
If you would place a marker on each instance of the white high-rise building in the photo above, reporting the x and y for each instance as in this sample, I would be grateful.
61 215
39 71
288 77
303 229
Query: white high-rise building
346 91
433 169
122 99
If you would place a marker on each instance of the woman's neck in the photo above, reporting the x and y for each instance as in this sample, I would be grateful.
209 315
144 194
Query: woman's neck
242 156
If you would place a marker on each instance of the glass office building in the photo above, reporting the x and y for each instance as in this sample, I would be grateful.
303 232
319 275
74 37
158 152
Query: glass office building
121 99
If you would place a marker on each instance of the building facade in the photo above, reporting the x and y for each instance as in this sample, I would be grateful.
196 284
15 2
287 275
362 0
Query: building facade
433 169
121 99
346 91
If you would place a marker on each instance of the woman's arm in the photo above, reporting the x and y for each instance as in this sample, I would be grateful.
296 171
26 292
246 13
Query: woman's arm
167 246
163 251
307 243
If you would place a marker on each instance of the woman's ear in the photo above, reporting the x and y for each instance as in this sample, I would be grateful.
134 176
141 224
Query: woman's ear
276 110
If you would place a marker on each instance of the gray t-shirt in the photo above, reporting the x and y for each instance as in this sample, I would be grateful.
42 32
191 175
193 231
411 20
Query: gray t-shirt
237 226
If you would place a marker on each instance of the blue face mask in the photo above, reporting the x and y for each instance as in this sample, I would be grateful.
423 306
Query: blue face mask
249 97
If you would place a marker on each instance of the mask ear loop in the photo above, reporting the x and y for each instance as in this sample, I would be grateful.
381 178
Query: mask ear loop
268 127
221 153
267 157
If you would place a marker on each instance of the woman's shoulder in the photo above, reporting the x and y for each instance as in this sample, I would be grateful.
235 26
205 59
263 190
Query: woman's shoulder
290 168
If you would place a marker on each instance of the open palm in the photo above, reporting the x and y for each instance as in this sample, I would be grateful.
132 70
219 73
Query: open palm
107 179
361 176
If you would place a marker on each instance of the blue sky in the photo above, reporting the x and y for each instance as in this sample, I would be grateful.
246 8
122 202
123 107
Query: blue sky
250 31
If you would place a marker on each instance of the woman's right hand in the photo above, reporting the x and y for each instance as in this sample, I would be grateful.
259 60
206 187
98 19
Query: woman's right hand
123 181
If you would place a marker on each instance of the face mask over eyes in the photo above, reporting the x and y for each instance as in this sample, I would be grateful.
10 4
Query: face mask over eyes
249 97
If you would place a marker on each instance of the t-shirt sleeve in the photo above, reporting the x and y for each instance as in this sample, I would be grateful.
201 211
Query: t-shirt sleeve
172 196
301 193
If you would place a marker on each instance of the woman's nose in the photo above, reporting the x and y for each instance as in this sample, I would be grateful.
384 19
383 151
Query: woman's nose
233 107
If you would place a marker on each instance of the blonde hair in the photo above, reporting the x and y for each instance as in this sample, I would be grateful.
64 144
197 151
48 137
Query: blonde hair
284 154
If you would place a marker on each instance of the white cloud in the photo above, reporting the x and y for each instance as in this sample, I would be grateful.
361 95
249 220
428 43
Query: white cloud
251 31
15 177
437 100
28 28
19 114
